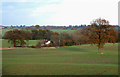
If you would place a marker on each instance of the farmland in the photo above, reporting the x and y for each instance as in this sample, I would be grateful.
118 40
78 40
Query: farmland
70 60
59 37
66 60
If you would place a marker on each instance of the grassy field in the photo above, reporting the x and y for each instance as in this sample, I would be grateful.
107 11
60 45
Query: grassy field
5 43
72 60
61 31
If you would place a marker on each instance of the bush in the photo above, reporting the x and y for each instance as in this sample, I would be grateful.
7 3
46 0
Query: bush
38 45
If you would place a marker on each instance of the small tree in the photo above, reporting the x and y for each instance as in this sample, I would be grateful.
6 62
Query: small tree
37 26
101 32
55 39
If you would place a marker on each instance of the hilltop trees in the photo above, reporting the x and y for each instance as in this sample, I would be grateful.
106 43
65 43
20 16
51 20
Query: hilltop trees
37 26
101 32
17 36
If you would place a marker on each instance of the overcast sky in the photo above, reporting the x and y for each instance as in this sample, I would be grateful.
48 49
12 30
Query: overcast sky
58 12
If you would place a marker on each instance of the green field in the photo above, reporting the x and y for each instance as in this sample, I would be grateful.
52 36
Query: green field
72 60
61 31
5 43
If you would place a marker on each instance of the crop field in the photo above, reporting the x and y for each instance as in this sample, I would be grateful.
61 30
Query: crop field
71 60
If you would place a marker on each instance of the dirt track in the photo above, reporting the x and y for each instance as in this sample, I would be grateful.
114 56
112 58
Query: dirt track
26 47
5 48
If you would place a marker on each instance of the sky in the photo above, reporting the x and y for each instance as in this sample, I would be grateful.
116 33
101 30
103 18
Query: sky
57 12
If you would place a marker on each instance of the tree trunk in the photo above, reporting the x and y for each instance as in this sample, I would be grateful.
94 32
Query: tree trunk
14 43
21 45
99 50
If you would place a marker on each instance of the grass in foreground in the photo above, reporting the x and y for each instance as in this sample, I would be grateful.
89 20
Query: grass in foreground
73 60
